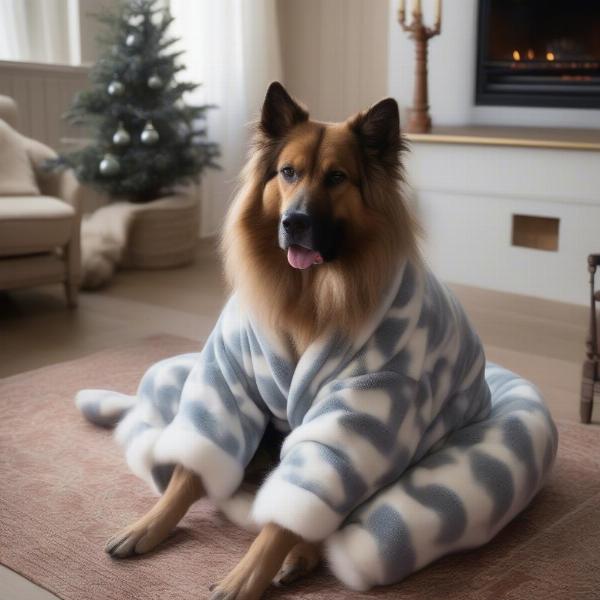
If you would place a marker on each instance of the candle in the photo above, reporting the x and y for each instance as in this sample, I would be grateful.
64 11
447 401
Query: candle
417 7
438 12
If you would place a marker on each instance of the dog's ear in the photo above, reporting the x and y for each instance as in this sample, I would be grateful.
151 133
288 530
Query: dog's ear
280 112
378 129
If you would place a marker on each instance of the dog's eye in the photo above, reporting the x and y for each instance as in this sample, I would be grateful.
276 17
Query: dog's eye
335 177
289 173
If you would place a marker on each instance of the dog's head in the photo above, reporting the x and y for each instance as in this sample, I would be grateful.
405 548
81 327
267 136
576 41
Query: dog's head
319 226
319 175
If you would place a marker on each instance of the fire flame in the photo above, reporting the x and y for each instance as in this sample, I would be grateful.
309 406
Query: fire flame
550 56
516 55
530 54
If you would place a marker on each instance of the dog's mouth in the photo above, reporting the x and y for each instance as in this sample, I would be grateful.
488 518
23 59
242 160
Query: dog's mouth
308 239
300 257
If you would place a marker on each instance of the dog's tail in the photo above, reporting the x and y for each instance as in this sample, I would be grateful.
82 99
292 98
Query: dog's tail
103 407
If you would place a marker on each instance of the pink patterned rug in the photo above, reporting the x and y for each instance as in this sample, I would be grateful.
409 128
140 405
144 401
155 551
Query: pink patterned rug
64 489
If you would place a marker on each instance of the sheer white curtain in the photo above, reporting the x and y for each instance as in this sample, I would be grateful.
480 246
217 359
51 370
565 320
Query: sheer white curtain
38 31
232 48
14 39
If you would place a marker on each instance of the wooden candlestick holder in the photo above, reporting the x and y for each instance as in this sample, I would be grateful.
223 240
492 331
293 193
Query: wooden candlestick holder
419 120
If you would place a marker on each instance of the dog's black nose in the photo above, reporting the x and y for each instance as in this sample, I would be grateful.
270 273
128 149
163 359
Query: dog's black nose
296 223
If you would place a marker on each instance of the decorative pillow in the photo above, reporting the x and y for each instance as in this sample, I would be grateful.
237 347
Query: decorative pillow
17 177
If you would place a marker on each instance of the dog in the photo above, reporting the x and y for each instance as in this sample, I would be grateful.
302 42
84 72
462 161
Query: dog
341 359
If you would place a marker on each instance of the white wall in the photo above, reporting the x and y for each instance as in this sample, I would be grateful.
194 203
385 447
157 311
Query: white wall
335 54
452 75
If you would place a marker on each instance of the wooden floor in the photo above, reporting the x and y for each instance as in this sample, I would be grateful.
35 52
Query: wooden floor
543 341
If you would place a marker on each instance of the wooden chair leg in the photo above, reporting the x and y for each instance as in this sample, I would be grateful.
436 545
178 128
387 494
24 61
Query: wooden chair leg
586 400
585 412
72 265
71 293
588 377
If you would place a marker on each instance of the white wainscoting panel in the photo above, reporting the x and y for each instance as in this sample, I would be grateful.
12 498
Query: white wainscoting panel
467 196
43 93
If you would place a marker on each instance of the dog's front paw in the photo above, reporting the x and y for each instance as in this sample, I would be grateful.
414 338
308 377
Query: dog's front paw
236 590
136 539
245 582
254 573
225 591
301 560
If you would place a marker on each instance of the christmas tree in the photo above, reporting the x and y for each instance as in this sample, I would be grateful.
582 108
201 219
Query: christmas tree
146 140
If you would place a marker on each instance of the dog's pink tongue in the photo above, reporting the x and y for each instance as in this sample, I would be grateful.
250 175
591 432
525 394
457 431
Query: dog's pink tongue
302 258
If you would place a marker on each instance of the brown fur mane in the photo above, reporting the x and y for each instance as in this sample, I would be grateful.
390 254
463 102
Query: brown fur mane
340 294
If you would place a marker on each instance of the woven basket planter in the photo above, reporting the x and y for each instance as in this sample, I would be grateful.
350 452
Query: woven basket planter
163 234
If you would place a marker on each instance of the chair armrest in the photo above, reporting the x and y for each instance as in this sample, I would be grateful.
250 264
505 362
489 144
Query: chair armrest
38 153
57 183
9 111
63 185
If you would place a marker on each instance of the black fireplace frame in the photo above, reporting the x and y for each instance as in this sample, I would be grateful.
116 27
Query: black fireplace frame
539 98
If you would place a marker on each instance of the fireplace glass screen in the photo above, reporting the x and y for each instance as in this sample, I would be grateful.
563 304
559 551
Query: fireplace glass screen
539 53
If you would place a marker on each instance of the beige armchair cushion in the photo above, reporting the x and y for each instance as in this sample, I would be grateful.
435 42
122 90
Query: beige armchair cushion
17 177
30 224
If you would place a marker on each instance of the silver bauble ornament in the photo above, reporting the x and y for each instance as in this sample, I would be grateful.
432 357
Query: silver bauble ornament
155 82
135 20
149 135
115 88
109 165
121 136
133 39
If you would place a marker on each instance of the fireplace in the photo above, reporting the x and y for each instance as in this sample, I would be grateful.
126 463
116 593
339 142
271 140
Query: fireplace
539 53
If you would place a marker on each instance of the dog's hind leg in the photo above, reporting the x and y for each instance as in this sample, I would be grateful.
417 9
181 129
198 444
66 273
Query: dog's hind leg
457 497
146 533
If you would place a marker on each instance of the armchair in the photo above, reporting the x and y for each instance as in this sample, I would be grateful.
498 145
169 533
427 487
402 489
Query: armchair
40 214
